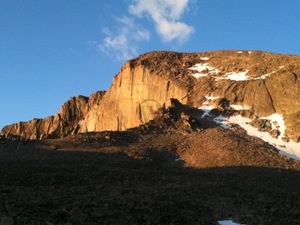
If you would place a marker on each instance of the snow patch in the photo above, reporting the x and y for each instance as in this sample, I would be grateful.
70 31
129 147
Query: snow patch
204 58
206 110
277 122
203 70
264 76
238 107
178 159
220 120
200 67
197 75
241 76
211 97
228 222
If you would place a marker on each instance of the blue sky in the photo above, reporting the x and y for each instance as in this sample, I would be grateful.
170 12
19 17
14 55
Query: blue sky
51 50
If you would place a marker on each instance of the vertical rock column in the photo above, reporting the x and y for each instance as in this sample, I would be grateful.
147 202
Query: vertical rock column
133 99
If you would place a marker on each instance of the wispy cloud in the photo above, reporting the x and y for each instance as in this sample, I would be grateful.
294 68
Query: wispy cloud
122 42
166 14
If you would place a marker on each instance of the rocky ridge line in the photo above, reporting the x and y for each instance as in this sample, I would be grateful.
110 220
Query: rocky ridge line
149 81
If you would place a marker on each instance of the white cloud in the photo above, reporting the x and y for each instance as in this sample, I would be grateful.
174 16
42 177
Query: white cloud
122 43
166 14
123 40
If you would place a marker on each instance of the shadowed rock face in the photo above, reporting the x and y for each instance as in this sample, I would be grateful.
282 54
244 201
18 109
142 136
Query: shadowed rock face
271 84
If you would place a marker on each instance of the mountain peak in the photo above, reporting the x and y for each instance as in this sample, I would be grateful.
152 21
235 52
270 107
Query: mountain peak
253 84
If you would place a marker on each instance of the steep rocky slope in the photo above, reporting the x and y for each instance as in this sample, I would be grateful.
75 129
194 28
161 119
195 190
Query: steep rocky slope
176 169
261 83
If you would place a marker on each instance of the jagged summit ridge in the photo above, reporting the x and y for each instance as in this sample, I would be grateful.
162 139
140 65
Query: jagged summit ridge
261 83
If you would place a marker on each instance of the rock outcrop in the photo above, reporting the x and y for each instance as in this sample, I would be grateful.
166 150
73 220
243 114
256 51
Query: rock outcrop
263 83
65 122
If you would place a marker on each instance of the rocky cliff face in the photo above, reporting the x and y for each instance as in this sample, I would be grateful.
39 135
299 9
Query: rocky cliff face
133 99
260 83
65 122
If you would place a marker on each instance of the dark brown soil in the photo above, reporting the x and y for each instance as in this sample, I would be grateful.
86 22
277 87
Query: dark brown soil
173 170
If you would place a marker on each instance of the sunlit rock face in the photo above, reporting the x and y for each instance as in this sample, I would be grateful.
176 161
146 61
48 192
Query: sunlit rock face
63 123
264 83
133 99
261 82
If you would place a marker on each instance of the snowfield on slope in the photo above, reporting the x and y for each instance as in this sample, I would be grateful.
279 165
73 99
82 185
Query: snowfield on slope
204 69
290 149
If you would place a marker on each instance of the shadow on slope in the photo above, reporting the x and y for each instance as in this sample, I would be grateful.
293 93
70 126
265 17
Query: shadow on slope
41 186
